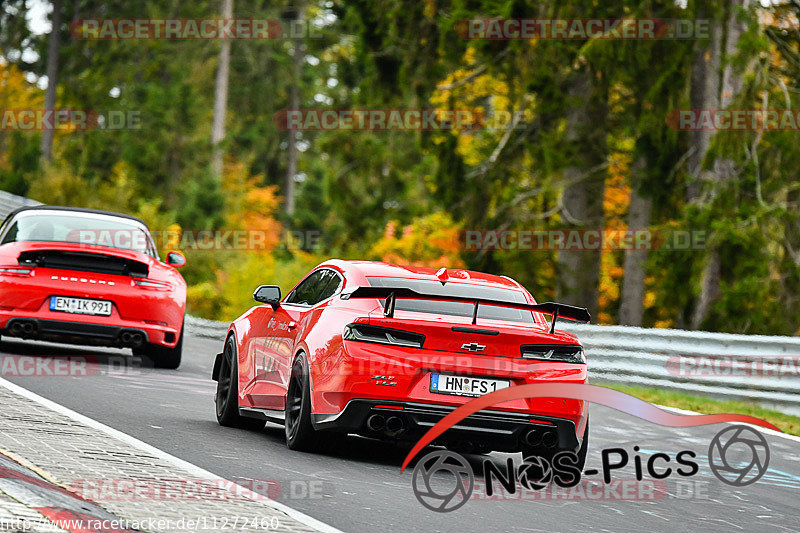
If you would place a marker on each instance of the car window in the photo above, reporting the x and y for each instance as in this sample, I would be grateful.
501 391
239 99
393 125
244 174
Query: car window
305 293
96 230
463 290
319 286
330 282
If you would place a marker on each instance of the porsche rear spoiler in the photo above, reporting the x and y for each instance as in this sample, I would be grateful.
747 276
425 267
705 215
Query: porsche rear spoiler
390 294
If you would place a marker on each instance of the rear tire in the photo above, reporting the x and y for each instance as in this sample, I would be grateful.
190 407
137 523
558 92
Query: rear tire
300 433
227 396
584 446
162 357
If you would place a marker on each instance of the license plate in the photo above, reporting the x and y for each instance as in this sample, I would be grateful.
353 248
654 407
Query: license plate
465 385
80 306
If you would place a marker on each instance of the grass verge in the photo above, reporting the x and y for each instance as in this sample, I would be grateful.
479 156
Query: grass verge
787 423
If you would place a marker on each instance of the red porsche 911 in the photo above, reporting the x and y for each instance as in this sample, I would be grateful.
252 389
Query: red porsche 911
385 352
83 276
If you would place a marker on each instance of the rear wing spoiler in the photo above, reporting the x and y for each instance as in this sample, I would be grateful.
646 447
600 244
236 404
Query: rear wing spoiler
390 294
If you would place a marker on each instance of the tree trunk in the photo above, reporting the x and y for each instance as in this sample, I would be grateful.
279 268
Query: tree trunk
221 96
578 271
294 103
704 94
724 168
639 215
53 45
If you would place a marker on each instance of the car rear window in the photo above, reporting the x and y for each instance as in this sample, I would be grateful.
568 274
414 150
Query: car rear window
463 290
97 230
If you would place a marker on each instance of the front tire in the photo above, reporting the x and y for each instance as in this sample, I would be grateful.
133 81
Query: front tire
227 396
300 433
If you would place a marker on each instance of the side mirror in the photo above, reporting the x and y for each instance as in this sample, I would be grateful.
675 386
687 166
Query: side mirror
268 294
176 259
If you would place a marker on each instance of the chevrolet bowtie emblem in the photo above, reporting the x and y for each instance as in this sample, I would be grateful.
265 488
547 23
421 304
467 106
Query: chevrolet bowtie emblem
473 347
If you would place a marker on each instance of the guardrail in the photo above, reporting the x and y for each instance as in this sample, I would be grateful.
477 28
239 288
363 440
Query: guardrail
757 368
10 202
761 369
210 329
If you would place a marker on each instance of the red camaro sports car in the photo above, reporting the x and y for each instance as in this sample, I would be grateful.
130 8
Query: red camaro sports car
90 277
385 351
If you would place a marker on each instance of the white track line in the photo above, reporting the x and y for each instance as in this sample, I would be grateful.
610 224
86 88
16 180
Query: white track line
143 446
754 426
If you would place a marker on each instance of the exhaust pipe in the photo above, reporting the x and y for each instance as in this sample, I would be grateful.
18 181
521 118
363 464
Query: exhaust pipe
537 437
394 426
137 339
376 422
131 339
533 437
23 328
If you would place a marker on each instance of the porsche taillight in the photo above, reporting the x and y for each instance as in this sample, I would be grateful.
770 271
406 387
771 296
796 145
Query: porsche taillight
16 271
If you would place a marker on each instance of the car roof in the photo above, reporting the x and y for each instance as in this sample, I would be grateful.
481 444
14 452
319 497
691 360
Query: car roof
458 275
73 210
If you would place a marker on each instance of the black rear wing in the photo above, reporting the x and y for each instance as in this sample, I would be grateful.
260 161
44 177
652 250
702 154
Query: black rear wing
390 294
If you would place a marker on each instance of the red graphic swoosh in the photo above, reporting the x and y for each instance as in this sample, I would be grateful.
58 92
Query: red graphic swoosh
578 391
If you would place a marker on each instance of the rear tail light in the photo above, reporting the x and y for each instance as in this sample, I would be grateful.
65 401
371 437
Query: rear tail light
378 335
151 284
555 353
16 271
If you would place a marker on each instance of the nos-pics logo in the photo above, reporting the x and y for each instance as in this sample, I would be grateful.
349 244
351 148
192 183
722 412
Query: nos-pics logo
444 481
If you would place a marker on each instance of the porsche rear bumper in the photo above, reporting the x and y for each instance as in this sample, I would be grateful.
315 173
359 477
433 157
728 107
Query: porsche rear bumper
120 333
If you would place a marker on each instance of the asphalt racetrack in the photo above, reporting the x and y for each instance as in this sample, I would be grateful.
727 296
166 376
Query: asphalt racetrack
358 487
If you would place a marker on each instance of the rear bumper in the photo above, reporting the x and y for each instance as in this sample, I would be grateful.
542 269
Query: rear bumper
398 375
157 313
497 430
119 333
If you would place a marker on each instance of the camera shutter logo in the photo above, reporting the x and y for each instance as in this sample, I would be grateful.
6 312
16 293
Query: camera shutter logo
535 473
438 492
738 455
